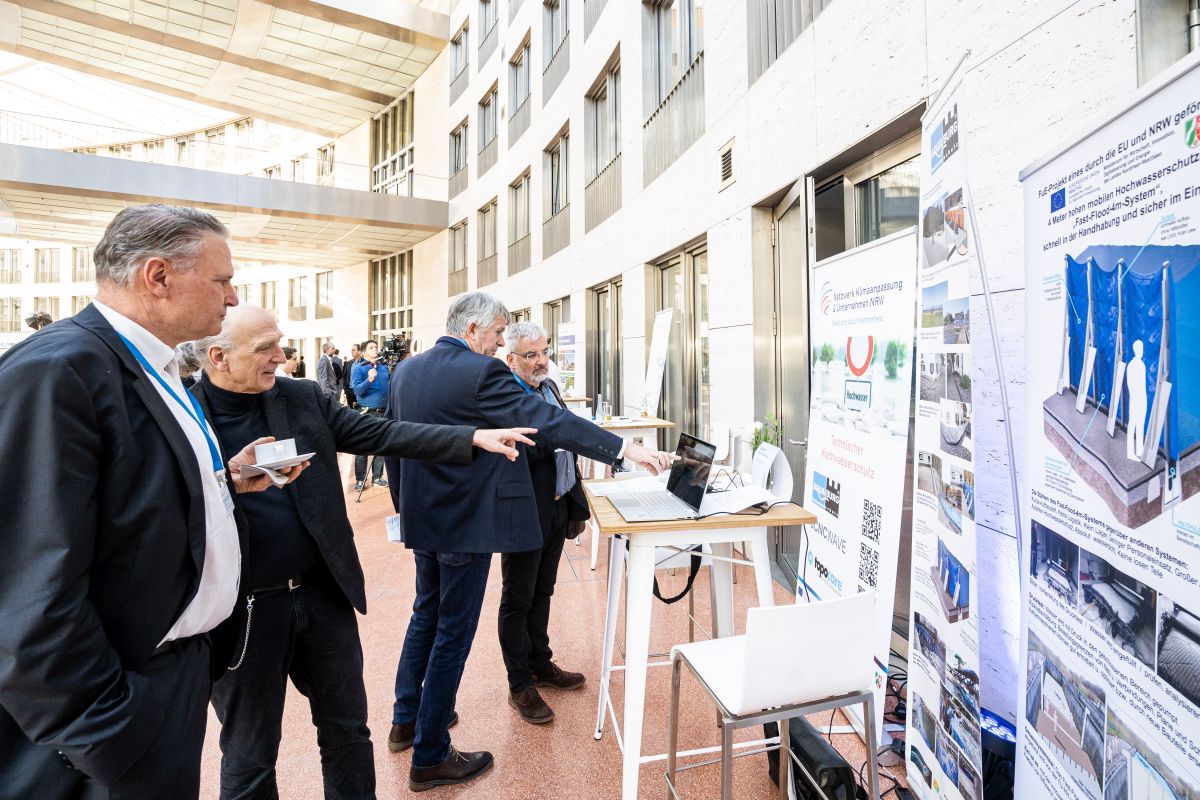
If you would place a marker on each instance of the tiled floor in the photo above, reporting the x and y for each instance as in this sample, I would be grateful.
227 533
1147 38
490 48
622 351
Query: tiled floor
559 760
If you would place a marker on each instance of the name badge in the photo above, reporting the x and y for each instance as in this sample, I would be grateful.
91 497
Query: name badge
223 488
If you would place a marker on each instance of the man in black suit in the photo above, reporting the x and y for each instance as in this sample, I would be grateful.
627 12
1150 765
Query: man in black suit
454 517
348 373
530 575
121 540
301 578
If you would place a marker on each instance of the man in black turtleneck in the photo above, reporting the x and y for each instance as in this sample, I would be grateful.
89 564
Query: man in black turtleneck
301 580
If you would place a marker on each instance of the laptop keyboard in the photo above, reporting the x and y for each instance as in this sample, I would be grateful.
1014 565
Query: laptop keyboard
659 504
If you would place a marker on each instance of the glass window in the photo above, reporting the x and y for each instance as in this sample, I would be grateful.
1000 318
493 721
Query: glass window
243 292
487 15
685 400
392 148
487 230
519 77
677 38
458 52
556 177
325 162
1163 35
10 265
298 298
830 210
519 209
888 202
604 121
555 18
82 267
458 149
605 374
267 292
391 295
555 313
10 314
458 247
46 265
487 119
522 315
48 305
79 302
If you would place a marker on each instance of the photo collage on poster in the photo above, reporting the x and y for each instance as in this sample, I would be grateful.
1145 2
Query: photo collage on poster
944 747
1112 446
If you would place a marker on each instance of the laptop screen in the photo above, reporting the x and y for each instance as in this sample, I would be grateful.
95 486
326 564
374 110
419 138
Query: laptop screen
689 475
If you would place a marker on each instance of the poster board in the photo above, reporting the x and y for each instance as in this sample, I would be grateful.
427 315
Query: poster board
656 364
944 748
565 357
861 330
1110 636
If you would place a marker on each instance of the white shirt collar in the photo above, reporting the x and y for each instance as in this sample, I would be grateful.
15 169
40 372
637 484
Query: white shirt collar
157 353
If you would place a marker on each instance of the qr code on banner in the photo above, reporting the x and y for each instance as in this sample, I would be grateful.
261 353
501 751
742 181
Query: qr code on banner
872 520
868 565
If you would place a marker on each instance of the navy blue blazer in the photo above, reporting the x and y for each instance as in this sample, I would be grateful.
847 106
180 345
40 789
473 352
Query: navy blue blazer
487 506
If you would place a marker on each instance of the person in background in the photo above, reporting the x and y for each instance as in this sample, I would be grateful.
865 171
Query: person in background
302 581
189 364
329 370
288 368
121 540
455 517
301 370
370 384
348 373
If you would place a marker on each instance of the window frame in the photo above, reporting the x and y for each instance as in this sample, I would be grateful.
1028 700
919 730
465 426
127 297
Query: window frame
458 148
520 75
603 143
556 175
489 116
518 193
488 234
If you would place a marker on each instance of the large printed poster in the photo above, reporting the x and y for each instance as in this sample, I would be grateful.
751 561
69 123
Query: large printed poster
861 329
944 751
1111 618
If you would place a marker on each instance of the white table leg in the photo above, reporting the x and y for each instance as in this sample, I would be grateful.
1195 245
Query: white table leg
637 651
762 567
616 563
720 575
595 533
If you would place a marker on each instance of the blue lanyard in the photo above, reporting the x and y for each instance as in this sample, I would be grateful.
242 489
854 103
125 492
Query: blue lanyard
523 384
194 411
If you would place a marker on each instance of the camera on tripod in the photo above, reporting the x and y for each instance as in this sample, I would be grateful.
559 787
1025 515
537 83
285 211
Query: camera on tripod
393 350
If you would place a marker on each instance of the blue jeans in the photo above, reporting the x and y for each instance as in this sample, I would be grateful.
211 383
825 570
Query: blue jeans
440 632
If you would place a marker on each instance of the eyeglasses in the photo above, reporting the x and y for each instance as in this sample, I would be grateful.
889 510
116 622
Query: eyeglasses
532 354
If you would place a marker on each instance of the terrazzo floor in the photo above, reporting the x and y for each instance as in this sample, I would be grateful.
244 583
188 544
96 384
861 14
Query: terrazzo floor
559 760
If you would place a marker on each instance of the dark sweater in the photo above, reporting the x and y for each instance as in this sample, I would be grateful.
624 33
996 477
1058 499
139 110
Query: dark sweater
280 547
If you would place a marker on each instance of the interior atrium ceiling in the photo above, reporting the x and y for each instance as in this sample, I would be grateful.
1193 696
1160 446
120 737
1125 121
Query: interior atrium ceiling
323 67
48 195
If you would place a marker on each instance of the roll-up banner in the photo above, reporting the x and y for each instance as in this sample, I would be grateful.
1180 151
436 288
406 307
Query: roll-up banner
1111 619
861 330
943 739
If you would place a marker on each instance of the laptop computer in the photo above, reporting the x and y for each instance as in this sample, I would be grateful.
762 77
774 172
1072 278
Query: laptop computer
684 492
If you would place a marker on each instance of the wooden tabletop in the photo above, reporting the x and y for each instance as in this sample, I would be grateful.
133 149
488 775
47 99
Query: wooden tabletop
610 521
634 423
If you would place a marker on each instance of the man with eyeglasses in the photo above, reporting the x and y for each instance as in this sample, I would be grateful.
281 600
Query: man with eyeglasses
530 575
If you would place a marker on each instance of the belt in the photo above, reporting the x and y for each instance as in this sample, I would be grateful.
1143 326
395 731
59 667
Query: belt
291 584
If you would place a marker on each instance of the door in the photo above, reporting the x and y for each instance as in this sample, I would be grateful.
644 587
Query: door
683 285
791 257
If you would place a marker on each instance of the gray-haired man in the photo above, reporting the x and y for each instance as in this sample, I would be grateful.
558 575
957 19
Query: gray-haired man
121 540
530 575
454 517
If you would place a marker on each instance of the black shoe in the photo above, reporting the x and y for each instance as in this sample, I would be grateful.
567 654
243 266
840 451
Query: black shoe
457 768
381 482
402 735
557 678
360 485
530 705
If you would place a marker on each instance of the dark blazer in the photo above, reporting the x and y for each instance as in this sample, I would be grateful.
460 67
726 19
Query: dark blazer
554 512
104 538
320 425
488 506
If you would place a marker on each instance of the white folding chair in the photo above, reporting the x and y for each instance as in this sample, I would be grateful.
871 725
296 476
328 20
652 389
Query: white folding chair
792 660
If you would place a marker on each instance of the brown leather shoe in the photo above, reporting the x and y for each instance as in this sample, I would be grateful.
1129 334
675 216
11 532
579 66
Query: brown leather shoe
457 768
530 705
557 678
402 735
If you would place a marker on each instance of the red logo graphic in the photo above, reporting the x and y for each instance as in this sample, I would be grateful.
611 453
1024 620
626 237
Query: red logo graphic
859 369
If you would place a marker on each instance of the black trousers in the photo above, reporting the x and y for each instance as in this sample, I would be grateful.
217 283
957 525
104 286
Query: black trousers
180 679
310 635
529 579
